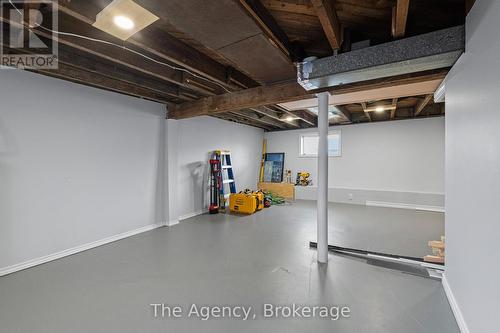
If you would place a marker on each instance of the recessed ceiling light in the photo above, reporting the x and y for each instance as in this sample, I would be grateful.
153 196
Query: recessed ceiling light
123 19
124 22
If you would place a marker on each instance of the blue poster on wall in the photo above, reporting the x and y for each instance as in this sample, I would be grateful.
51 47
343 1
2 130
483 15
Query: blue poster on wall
273 167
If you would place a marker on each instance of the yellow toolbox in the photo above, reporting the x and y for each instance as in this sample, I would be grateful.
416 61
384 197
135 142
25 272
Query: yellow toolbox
260 199
243 203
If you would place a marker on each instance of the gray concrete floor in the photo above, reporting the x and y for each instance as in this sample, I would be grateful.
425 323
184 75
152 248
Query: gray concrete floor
232 260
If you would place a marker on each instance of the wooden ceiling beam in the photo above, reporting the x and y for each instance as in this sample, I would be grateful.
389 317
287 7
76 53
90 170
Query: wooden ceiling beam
167 47
269 26
244 99
327 14
291 91
422 104
399 18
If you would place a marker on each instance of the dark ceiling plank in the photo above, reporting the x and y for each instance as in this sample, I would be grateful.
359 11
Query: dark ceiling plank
325 9
167 47
422 104
399 18
286 92
268 24
99 81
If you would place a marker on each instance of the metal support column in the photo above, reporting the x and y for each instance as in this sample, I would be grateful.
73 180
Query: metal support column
323 177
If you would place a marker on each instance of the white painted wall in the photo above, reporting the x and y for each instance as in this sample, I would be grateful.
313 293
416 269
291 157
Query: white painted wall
397 157
189 150
77 165
473 172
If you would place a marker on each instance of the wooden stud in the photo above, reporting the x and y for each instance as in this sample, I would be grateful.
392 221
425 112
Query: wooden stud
434 259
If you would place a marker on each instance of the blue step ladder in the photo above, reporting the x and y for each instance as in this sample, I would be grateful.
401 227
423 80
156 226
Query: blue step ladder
227 176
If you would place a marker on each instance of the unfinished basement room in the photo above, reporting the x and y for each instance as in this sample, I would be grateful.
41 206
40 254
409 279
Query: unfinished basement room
249 166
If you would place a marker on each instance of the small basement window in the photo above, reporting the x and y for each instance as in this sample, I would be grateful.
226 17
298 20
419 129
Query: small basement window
309 144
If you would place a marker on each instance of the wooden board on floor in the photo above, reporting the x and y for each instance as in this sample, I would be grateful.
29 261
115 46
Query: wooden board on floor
284 190
434 259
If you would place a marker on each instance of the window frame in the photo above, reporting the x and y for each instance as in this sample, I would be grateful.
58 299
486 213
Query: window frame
316 134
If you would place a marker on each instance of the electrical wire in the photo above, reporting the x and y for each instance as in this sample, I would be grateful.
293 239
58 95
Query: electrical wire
123 47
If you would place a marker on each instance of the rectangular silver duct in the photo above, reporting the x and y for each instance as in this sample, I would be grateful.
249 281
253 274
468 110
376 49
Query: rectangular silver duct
439 49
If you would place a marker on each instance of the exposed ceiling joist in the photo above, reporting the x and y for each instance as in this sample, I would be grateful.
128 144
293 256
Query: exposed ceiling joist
250 114
244 120
393 111
277 115
399 18
325 9
117 55
306 116
99 81
365 110
268 24
344 113
280 93
423 103
79 60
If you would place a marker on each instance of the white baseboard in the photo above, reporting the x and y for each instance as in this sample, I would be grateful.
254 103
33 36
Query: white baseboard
405 206
172 223
193 214
76 249
462 325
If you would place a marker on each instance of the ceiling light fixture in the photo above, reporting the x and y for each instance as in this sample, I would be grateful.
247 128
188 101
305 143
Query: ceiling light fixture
289 118
124 22
123 19
379 109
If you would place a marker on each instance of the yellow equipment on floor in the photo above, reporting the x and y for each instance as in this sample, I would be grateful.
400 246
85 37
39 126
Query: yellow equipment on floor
259 195
246 202
303 179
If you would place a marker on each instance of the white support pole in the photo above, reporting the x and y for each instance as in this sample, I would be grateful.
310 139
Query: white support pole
323 177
